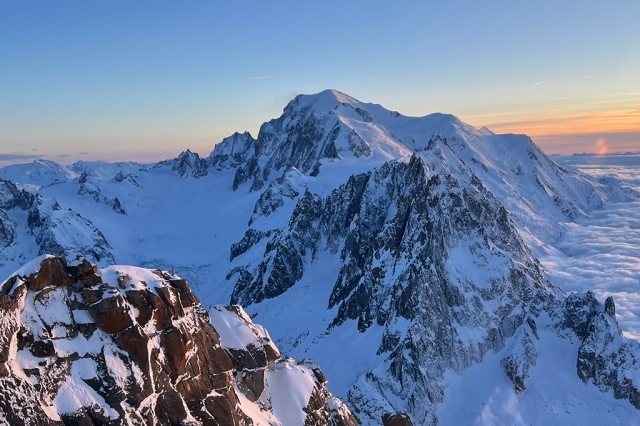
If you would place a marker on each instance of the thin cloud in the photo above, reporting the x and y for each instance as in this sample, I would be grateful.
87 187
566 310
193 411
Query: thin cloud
11 157
538 83
588 76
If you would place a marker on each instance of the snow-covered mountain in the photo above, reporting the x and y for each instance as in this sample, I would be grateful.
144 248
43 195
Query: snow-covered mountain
397 252
126 345
538 193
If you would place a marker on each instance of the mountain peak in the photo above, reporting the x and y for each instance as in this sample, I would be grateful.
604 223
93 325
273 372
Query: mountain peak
190 163
323 102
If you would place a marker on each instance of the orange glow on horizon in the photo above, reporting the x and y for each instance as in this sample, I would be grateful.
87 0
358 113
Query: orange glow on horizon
602 146
600 122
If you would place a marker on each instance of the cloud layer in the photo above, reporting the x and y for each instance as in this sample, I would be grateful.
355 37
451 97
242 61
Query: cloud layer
602 253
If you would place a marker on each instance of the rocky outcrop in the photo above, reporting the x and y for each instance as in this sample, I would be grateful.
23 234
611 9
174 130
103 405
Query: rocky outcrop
232 151
190 164
89 186
605 357
64 231
400 419
7 230
11 197
54 229
305 134
134 346
280 190
128 177
522 355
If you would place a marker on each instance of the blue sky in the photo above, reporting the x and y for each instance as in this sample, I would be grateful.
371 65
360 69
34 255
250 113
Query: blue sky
145 80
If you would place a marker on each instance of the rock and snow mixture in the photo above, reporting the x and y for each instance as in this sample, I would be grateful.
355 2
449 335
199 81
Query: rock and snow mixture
132 346
400 253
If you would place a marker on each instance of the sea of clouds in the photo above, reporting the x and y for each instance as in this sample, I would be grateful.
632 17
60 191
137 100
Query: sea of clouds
601 252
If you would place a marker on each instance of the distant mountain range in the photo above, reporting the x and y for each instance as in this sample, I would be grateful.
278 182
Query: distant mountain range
397 252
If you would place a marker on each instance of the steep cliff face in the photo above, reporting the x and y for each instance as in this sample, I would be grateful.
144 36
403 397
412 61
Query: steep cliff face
605 357
312 129
126 345
427 254
417 254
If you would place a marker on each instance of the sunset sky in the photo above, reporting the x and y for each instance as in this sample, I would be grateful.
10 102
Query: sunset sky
145 80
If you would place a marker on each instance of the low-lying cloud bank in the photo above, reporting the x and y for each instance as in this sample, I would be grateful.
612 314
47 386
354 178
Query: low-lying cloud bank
602 252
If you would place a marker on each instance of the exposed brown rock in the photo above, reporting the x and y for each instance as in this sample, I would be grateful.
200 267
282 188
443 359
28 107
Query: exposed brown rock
90 296
176 343
270 353
171 297
170 409
86 273
169 349
42 348
111 314
7 303
123 280
397 419
52 272
180 285
251 383
135 342
90 279
161 314
84 267
6 287
141 301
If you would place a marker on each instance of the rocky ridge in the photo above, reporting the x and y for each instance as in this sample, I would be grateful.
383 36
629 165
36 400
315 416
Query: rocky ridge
428 253
51 228
410 239
125 345
331 126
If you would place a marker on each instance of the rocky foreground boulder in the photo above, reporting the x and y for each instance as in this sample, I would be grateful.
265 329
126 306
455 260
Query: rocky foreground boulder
125 345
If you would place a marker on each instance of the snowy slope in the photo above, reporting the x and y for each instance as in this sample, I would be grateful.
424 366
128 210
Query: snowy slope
398 252
37 174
